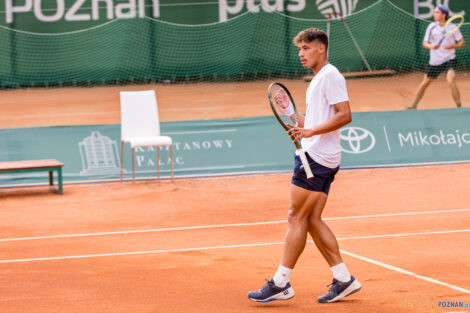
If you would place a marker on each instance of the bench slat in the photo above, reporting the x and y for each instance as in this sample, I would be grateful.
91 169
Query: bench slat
20 165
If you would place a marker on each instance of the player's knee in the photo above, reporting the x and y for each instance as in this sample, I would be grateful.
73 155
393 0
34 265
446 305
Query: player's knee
427 82
450 76
296 216
315 221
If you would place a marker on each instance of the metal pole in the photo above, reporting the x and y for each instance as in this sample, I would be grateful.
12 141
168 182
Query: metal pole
356 44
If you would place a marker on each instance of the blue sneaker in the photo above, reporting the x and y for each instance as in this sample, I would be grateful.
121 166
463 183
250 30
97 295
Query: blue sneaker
271 292
340 290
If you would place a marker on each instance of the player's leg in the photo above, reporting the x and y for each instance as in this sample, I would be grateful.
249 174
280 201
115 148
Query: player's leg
322 235
303 201
453 86
279 288
427 80
344 284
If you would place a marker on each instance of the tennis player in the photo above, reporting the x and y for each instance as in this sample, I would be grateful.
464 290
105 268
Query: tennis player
327 111
442 57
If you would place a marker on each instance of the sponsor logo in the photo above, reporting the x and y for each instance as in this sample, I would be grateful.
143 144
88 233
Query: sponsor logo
145 156
99 155
79 10
356 140
422 139
345 7
425 8
227 7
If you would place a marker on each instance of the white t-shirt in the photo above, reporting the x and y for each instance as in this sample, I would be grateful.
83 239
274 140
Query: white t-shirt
327 88
434 34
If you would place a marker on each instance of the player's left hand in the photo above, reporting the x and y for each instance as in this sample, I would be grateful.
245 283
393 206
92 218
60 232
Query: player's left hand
451 46
296 133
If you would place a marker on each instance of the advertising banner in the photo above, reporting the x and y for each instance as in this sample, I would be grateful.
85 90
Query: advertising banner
237 146
58 16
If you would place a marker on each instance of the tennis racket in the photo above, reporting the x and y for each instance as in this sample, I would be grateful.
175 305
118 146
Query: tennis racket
457 21
285 111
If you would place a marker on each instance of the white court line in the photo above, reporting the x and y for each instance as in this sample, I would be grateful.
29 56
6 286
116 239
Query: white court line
217 247
394 268
397 269
409 234
222 226
138 252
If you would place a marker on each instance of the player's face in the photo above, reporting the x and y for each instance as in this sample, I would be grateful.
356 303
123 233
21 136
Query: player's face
310 53
439 16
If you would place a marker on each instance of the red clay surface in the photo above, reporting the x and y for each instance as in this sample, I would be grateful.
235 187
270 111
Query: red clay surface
211 276
140 248
100 105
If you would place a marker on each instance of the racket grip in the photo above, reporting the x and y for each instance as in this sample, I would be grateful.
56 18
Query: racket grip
303 159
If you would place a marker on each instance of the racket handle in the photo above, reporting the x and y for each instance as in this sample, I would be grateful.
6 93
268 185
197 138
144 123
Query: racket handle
303 159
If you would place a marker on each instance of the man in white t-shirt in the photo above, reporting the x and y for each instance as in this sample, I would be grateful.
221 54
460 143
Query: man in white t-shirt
327 111
442 56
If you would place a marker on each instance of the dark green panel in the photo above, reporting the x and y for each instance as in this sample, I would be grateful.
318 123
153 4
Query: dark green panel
250 45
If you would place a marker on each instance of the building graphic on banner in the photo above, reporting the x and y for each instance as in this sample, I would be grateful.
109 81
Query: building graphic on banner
99 155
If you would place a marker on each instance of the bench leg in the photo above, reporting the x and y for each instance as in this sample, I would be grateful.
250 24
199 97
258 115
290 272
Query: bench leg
59 181
51 178
59 178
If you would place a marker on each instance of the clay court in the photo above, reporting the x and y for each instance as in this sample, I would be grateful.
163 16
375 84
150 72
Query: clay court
200 101
199 245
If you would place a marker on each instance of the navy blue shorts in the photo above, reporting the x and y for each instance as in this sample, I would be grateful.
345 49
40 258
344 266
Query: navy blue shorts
434 71
322 176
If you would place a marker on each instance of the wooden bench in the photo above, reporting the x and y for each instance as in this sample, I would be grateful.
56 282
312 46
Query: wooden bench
36 166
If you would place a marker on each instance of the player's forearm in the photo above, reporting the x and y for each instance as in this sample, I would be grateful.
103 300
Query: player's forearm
460 44
337 121
427 45
301 120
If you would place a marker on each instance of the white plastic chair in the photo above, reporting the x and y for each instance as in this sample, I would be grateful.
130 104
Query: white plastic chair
140 125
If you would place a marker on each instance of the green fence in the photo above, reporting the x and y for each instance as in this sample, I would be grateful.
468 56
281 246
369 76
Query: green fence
250 46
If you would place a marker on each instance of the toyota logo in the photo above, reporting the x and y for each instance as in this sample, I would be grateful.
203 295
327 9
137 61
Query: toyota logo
356 140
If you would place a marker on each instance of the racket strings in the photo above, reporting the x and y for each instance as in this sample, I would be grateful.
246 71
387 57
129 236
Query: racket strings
453 24
283 105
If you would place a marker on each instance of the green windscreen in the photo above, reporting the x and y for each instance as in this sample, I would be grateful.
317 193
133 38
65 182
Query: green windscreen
248 47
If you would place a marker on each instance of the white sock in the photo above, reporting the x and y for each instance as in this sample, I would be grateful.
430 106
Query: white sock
340 272
282 276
